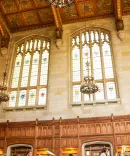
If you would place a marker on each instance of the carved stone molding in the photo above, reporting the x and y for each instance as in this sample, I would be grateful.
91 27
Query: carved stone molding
121 34
59 43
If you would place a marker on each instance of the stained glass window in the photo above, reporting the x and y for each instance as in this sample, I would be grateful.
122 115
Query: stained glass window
94 46
30 73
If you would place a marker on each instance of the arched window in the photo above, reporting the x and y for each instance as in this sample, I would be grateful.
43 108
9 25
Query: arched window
30 72
93 45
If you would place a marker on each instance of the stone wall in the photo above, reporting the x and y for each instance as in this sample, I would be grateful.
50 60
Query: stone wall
59 76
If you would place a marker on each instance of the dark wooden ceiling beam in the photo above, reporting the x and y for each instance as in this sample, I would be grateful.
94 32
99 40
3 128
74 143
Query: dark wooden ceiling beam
77 8
118 15
38 14
58 22
18 8
5 32
31 9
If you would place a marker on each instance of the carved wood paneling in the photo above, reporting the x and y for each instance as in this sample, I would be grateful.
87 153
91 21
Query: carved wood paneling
2 132
69 142
1 143
58 134
21 132
46 143
44 131
69 130
123 140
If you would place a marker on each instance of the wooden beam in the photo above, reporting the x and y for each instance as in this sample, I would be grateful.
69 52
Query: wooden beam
5 34
58 22
118 15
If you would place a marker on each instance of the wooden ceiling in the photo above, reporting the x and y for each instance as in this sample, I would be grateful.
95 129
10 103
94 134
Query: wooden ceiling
22 15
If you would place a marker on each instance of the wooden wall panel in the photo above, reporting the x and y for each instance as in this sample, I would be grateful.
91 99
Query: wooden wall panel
2 144
58 134
2 132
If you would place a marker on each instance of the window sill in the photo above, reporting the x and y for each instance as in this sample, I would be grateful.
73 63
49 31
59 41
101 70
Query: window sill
24 108
90 103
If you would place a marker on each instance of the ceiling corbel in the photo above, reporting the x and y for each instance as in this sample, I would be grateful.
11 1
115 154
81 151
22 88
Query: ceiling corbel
58 22
5 36
118 15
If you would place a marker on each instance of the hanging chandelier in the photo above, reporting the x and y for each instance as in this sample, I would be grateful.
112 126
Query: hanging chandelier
61 3
88 86
4 97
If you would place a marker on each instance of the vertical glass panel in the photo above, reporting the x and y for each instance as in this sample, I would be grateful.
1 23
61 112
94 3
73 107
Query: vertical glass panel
42 96
22 98
87 98
87 37
12 99
34 71
92 36
83 38
86 58
96 37
111 91
25 73
44 68
39 44
48 45
96 62
73 42
31 45
100 94
102 36
32 97
35 44
16 71
76 64
107 60
27 46
76 93
77 40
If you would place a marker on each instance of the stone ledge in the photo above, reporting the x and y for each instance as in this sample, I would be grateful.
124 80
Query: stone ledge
93 103
24 108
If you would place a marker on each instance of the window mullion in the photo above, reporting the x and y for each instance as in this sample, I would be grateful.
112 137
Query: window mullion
81 62
29 76
39 73
91 58
114 71
102 66
20 77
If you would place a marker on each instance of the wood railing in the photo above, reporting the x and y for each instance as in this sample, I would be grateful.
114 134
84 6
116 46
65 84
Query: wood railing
58 134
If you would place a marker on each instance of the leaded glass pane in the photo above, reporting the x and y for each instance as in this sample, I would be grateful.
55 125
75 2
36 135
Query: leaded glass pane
32 97
44 68
22 98
88 97
100 94
76 93
107 60
42 96
16 71
111 90
12 99
34 71
76 64
25 73
96 62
